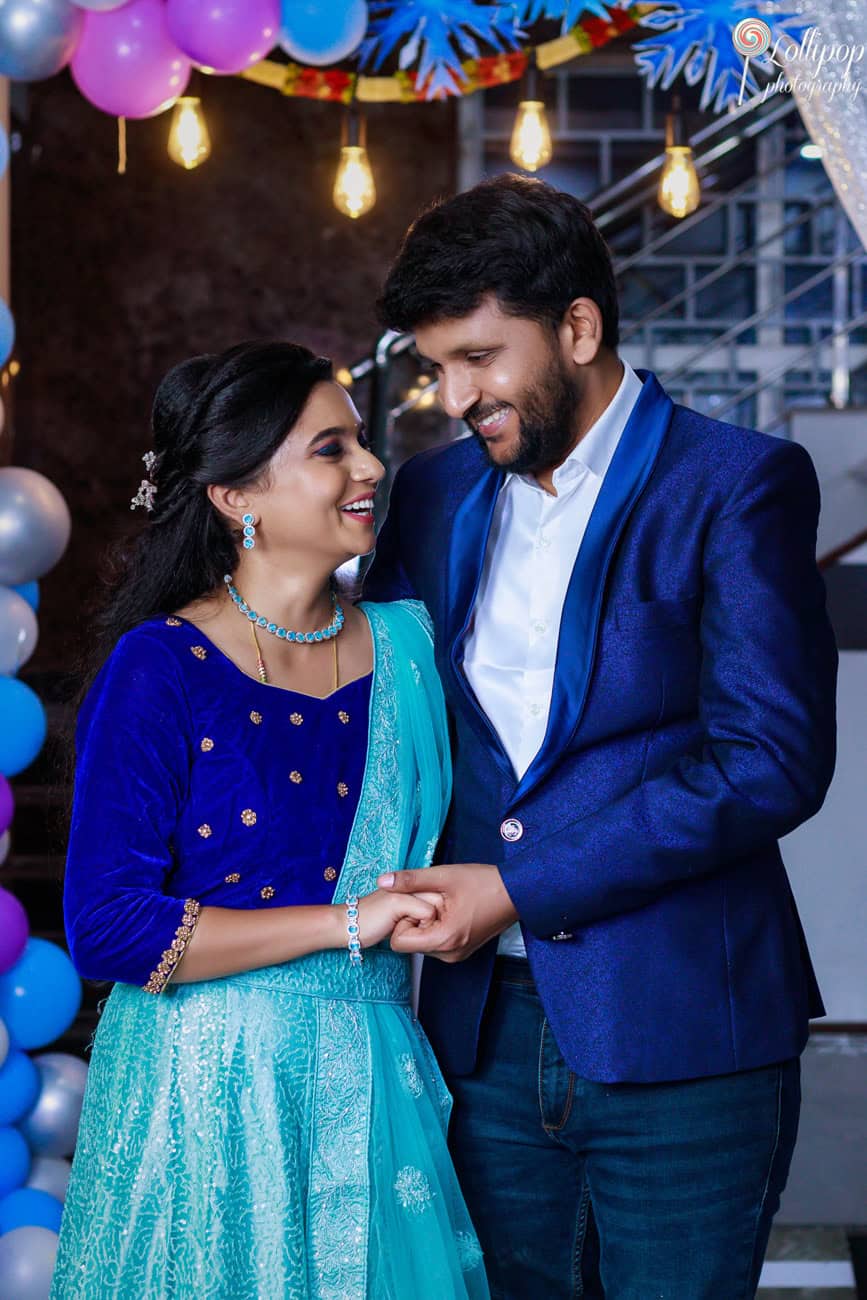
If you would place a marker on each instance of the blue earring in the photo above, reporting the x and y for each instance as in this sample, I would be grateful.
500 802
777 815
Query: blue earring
249 532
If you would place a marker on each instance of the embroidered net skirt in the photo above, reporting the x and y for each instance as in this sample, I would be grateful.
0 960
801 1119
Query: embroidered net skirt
277 1135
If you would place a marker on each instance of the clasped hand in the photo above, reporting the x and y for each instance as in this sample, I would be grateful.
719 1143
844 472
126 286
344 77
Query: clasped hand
447 912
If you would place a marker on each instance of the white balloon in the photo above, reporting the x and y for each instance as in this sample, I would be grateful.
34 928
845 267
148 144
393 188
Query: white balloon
27 1258
19 631
5 846
49 1174
51 1127
4 1042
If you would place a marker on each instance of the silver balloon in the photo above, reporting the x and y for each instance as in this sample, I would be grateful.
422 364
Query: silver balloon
50 1174
4 1042
34 522
37 37
5 846
99 6
19 631
52 1125
27 1259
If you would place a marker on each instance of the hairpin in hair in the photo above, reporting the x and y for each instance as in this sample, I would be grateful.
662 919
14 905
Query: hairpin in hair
147 490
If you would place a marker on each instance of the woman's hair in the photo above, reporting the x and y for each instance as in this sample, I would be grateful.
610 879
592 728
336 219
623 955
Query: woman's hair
216 420
532 247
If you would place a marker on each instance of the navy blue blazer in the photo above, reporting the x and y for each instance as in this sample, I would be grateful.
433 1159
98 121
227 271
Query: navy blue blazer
692 725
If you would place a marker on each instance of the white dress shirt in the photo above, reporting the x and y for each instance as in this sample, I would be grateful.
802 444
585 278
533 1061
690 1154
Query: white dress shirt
511 646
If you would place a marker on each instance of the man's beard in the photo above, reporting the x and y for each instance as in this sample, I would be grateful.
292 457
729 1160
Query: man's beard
546 424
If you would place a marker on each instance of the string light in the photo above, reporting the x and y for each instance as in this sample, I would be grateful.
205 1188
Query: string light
344 377
354 188
679 192
189 141
530 146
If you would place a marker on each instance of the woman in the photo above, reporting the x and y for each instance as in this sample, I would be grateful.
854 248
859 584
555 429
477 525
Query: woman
264 1117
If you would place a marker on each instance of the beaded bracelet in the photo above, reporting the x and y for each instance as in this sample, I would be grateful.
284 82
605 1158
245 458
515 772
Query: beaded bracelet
354 944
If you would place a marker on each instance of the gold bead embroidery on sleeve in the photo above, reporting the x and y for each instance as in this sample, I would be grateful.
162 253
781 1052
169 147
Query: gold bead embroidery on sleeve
296 778
343 716
233 877
342 789
329 873
255 718
207 745
199 651
296 719
173 622
267 891
160 977
205 830
248 817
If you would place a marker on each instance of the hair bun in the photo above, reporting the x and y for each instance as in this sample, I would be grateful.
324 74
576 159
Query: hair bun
176 399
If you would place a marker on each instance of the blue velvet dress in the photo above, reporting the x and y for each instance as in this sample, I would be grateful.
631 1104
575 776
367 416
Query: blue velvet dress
280 1133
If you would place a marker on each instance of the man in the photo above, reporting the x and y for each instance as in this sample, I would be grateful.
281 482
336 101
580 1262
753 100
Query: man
632 635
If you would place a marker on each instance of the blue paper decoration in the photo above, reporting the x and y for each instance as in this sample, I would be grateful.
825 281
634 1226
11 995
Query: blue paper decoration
697 42
438 34
531 11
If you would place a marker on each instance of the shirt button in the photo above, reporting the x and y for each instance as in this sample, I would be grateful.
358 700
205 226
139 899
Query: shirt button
511 829
535 709
544 542
540 627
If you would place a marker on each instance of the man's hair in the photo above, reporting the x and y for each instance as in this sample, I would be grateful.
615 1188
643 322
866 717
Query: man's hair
531 246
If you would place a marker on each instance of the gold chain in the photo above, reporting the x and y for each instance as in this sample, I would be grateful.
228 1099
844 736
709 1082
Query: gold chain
263 671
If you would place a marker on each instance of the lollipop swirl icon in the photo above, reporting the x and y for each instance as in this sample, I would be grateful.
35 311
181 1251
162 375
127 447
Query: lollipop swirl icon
750 37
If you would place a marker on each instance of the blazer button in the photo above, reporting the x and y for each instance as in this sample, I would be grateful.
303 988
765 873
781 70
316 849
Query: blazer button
512 829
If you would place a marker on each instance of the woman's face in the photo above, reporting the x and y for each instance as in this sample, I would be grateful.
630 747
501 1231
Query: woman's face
318 498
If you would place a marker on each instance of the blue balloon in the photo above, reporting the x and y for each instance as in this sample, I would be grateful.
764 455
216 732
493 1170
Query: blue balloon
29 591
23 732
7 333
39 995
27 1207
321 32
19 1088
4 151
14 1160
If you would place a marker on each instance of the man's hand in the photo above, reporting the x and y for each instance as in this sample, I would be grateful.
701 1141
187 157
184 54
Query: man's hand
475 907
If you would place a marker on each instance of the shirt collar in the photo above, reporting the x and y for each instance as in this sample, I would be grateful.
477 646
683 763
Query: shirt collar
596 449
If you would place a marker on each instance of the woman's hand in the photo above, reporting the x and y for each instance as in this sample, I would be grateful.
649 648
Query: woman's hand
379 913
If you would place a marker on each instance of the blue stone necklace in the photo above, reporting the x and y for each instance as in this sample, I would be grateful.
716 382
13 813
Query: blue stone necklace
329 633
283 634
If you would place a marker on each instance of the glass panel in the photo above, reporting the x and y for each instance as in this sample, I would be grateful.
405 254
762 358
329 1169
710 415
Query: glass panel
731 297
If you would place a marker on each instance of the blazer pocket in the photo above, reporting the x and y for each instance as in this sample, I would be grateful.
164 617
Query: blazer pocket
658 613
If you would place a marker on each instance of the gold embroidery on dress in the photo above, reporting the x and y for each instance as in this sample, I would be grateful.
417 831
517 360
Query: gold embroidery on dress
205 830
233 877
343 716
248 817
267 891
255 717
207 745
170 958
199 651
296 719
173 622
342 789
296 778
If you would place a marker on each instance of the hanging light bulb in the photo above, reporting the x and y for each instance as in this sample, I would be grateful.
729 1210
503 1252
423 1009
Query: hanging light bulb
354 189
530 146
679 192
189 142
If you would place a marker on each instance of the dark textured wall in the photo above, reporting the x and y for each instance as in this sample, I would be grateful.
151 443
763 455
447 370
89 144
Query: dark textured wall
116 278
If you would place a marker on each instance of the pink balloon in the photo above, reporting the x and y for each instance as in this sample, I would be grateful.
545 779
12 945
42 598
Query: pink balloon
13 930
7 807
126 62
224 35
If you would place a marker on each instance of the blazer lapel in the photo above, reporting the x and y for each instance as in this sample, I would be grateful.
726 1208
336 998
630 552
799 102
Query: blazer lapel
624 482
468 544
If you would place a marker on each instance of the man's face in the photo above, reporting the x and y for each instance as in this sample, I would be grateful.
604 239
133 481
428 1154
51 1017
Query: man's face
506 376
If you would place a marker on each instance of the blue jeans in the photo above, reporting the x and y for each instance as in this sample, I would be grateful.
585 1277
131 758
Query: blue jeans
679 1180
